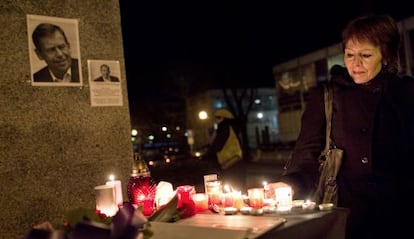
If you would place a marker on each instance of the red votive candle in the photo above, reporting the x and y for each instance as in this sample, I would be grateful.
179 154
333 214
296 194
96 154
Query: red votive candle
147 202
185 194
228 199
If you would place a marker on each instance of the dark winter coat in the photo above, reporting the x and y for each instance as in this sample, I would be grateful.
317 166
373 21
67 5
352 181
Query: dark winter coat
374 124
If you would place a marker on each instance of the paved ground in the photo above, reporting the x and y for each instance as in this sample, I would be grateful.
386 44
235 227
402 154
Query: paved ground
265 166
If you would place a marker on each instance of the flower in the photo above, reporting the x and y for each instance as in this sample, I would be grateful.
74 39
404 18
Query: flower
164 193
81 223
187 209
127 223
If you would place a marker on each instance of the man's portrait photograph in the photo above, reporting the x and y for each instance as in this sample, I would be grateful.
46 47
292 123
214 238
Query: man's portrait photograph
54 51
105 82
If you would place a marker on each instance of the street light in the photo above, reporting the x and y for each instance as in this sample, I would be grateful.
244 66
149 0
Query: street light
202 115
135 140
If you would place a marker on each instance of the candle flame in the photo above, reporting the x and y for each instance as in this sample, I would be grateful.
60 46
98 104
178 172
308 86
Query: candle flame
227 188
111 177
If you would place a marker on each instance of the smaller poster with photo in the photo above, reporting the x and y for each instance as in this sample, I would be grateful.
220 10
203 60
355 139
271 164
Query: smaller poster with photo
105 83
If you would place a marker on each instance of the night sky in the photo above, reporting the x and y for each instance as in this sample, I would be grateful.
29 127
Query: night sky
215 41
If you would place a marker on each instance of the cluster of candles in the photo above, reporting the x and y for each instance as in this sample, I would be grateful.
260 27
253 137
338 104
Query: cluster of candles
257 198
109 197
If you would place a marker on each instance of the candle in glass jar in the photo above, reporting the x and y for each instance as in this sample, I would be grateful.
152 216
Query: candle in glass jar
214 192
185 194
237 200
209 178
147 202
200 201
228 199
256 197
227 196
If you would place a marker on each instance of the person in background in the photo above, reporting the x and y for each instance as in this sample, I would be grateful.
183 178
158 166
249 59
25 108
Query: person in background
52 46
373 122
233 175
106 75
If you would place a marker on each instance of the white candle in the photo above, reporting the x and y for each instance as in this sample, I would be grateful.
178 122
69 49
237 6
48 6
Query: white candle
105 200
209 178
118 189
283 198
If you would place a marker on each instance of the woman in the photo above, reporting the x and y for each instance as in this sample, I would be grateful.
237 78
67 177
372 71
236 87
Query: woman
373 122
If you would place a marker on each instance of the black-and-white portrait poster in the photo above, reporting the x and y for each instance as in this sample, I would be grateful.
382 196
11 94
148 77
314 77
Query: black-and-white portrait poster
54 51
105 83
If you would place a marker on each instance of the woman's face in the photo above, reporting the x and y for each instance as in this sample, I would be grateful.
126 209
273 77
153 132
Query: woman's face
362 60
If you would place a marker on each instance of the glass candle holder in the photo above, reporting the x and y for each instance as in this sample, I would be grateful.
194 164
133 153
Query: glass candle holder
228 199
209 178
141 192
147 201
238 200
214 190
256 197
185 194
200 201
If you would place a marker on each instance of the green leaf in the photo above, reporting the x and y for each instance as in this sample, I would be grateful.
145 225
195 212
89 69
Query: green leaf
75 216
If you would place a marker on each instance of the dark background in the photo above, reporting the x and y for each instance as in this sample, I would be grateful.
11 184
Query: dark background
238 42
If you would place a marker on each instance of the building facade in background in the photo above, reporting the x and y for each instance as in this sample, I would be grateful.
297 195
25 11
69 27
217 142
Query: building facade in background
262 125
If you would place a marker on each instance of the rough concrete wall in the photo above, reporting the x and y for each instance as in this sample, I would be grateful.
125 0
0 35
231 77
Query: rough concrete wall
55 147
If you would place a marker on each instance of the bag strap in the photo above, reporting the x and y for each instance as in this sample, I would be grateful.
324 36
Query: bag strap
328 115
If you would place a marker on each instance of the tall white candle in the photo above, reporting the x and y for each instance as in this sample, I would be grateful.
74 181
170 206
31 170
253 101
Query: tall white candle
118 189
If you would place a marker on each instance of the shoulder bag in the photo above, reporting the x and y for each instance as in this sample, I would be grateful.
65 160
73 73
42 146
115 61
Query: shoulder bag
330 159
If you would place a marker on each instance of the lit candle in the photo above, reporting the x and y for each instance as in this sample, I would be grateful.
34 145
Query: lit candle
283 198
266 189
256 197
227 196
200 201
118 189
209 178
185 194
214 192
147 203
105 200
237 200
